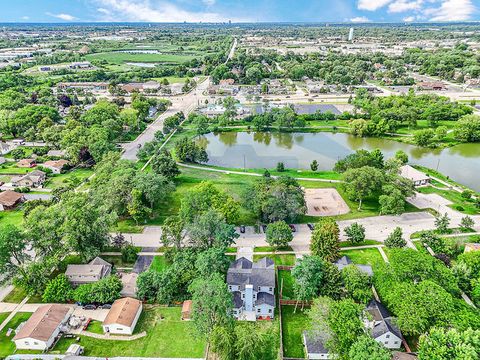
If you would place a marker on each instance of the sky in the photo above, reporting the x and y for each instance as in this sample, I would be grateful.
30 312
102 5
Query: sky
239 10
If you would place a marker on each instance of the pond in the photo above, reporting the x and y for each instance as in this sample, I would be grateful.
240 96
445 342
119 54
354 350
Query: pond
298 150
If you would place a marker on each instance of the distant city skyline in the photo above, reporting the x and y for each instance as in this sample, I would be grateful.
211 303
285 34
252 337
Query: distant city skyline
355 11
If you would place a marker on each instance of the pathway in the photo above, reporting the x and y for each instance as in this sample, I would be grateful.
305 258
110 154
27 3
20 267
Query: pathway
13 313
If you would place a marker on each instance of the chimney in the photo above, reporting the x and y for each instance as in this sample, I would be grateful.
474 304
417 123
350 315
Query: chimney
248 298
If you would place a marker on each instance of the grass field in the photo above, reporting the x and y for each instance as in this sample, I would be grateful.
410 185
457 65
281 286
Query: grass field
364 256
7 346
159 263
278 259
117 261
458 202
95 327
167 336
115 57
285 282
293 325
72 176
11 217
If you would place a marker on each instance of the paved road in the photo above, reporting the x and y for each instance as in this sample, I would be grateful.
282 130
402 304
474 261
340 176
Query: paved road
376 227
232 50
185 103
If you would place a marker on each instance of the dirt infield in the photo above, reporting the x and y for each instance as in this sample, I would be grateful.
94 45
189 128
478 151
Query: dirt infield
325 202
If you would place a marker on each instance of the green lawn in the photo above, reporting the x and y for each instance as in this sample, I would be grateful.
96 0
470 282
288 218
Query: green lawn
363 243
77 175
458 202
119 58
167 336
364 256
117 261
159 263
7 346
95 327
293 325
286 281
11 217
18 294
12 169
271 248
278 259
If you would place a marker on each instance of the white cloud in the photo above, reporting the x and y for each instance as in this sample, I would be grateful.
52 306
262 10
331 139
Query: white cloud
158 11
452 10
409 18
103 11
360 19
25 17
404 5
372 5
65 17
209 2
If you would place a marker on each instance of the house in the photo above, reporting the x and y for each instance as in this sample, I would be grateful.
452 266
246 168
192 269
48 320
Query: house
471 247
382 327
431 85
419 178
345 261
226 82
123 316
56 165
27 163
87 86
315 346
253 288
9 199
80 65
40 331
56 153
151 85
187 310
33 179
88 273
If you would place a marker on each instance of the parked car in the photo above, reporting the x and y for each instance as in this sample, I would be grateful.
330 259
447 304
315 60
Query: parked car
292 227
106 306
311 227
89 307
264 228
242 229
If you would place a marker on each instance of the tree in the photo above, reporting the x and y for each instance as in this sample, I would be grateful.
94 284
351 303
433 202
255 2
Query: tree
325 241
355 233
18 153
467 194
104 291
136 208
251 344
187 150
279 234
129 253
276 199
435 242
467 129
164 164
314 165
280 167
395 239
172 232
467 223
212 261
365 347
58 290
357 284
392 201
308 276
13 254
402 156
222 342
363 182
118 240
154 188
442 223
424 137
211 304
148 283
210 229
449 344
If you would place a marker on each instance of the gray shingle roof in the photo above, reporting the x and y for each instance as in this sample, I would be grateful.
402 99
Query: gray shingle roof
243 272
344 261
237 300
383 318
314 343
265 298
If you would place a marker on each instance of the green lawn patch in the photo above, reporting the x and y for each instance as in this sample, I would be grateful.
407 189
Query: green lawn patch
18 294
117 261
159 263
95 327
7 346
77 175
293 325
285 282
11 217
167 336
278 259
458 202
119 58
271 248
364 256
363 243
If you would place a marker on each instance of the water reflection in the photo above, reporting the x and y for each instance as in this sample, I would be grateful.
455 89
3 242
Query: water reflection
298 150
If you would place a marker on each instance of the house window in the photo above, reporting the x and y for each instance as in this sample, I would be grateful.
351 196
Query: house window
243 296
35 343
396 343
229 287
259 288
386 342
387 336
270 289
258 310
270 311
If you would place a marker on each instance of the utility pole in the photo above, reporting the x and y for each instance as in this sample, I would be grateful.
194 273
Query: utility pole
438 164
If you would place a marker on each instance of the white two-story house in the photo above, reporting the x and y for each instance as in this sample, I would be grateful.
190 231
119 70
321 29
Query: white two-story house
382 327
253 288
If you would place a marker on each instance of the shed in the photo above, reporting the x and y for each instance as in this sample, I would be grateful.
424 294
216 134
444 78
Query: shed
123 316
187 310
419 178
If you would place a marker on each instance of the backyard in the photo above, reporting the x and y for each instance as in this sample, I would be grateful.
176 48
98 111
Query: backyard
293 325
7 346
167 336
